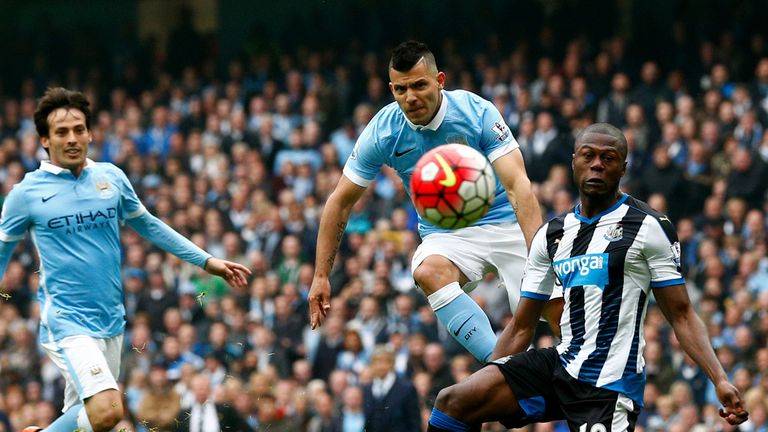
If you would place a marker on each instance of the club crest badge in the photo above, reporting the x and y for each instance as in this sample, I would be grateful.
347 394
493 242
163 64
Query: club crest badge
614 233
104 188
456 139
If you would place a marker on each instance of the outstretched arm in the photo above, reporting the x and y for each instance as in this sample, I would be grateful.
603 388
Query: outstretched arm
14 221
333 222
6 251
518 334
692 334
153 229
510 169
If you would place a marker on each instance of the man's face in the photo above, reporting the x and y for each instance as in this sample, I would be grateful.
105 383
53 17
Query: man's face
68 138
598 165
381 365
417 91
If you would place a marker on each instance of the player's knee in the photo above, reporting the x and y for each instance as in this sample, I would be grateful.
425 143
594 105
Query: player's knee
421 275
435 272
449 401
107 420
106 417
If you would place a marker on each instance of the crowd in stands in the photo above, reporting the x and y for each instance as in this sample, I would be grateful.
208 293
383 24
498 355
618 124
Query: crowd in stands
241 162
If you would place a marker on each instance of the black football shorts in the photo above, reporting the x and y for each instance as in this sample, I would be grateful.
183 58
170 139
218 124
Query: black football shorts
547 392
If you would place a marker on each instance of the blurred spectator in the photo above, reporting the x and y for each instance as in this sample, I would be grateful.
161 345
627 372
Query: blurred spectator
612 108
160 403
268 351
547 148
663 177
746 178
391 402
155 300
205 415
324 352
351 416
323 420
353 356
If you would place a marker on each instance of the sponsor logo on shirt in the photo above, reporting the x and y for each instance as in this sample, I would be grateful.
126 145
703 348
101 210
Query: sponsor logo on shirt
83 221
590 269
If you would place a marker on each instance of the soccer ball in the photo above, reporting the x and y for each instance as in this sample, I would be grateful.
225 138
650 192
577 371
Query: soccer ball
453 186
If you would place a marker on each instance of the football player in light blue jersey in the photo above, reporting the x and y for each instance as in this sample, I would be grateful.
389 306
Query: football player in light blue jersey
423 117
73 208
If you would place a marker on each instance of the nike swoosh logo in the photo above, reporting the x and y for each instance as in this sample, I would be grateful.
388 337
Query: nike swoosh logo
402 153
44 199
456 332
450 177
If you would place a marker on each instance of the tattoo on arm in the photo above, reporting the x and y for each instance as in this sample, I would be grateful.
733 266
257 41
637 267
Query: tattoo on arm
339 234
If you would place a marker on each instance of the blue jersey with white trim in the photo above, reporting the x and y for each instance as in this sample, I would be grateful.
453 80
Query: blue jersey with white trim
74 223
463 117
607 266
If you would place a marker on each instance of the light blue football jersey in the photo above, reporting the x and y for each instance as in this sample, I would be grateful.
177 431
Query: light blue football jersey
74 223
463 117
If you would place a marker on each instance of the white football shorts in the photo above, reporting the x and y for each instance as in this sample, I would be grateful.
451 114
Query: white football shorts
477 250
89 365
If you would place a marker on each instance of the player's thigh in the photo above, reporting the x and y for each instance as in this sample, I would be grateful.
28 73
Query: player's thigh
83 362
461 248
529 376
508 253
113 351
592 409
482 397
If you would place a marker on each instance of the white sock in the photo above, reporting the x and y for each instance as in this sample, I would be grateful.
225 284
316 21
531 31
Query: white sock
444 295
82 421
464 319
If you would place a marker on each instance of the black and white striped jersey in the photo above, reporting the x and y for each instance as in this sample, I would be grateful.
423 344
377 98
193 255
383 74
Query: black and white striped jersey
607 266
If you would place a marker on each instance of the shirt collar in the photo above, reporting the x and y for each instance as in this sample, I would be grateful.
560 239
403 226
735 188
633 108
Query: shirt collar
386 383
47 166
437 121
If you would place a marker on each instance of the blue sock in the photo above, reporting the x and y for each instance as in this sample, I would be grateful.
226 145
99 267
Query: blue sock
464 319
67 422
445 422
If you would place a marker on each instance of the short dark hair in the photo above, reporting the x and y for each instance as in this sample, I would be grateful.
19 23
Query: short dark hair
59 97
605 129
407 54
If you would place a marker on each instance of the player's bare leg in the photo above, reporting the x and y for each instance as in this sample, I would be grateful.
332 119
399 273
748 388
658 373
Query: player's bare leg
100 413
484 396
441 282
105 409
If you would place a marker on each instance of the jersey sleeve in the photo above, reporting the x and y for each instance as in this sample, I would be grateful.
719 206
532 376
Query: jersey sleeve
662 251
154 230
14 222
365 161
496 139
539 278
15 218
130 204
